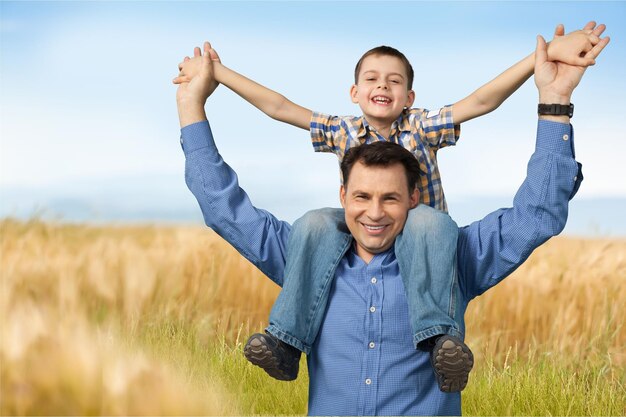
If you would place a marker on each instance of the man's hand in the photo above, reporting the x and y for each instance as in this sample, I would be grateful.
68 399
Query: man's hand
572 48
191 96
189 67
556 80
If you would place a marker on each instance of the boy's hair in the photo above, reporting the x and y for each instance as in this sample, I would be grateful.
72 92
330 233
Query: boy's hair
388 51
382 154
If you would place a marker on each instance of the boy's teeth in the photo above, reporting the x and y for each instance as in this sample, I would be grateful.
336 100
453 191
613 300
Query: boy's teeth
374 227
381 100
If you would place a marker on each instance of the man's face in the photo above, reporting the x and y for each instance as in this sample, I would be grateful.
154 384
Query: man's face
382 89
377 201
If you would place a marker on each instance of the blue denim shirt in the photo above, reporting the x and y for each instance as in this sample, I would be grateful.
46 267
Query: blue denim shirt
363 361
347 377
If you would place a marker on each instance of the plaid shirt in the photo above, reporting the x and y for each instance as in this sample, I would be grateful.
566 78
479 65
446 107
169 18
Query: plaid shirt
418 130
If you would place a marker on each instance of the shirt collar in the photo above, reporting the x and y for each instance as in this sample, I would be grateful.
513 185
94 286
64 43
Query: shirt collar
401 124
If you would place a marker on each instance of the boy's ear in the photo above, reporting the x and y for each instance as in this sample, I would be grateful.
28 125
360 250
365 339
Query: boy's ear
354 91
410 98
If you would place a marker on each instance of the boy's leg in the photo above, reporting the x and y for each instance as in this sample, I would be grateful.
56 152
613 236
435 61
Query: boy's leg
317 243
426 253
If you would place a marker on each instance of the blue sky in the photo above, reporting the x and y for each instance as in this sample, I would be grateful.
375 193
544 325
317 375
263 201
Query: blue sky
89 124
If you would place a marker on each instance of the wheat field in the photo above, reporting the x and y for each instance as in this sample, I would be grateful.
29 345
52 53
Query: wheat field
149 320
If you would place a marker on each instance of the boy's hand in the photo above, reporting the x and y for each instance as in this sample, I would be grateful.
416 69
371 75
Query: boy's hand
203 83
189 67
557 80
573 47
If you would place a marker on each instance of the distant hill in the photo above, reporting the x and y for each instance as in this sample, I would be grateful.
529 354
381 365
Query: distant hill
168 201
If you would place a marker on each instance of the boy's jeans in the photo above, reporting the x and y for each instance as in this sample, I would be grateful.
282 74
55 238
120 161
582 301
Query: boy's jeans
426 253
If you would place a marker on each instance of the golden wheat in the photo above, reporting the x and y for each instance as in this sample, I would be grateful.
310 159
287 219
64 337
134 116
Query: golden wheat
68 290
568 298
74 296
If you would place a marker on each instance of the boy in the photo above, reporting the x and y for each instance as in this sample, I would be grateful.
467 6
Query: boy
383 91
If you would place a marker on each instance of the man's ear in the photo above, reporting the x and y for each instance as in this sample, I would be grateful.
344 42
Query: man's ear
342 196
410 99
354 93
414 198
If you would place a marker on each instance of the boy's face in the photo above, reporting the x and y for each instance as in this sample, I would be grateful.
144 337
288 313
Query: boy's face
377 202
382 89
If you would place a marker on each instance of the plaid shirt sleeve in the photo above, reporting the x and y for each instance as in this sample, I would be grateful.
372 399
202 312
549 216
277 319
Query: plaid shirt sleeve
329 133
436 127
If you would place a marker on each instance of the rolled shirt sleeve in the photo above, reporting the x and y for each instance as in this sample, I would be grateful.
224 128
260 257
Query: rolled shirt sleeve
436 127
332 133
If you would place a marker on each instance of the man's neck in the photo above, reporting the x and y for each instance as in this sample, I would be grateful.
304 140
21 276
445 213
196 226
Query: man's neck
365 255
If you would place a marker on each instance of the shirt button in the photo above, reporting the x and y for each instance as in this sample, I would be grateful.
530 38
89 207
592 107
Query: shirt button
373 280
372 345
372 309
576 178
181 140
368 381
565 137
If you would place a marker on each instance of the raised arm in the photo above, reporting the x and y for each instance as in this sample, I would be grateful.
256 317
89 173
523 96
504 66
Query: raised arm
255 233
568 49
490 249
273 104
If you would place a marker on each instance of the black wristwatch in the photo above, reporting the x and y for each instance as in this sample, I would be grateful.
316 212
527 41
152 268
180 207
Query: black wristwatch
556 109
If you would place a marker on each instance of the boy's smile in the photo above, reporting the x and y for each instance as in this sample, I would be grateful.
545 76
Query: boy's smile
382 100
381 91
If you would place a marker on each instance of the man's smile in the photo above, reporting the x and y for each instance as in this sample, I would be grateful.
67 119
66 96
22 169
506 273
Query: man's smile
374 229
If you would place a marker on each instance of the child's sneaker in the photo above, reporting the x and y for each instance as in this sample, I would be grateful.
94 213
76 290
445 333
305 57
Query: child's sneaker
277 358
452 361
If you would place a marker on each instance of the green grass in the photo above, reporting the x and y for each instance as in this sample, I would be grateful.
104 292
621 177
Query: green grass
206 362
256 391
533 384
546 385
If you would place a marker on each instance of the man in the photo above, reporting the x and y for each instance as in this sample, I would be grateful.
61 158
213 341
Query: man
364 361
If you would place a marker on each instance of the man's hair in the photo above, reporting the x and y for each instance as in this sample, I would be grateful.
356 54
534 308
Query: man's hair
387 51
382 154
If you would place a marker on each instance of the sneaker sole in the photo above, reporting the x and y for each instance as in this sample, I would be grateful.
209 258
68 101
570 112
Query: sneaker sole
453 363
258 354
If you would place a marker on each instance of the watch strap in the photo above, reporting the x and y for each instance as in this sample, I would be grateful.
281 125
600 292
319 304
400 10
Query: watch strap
556 109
